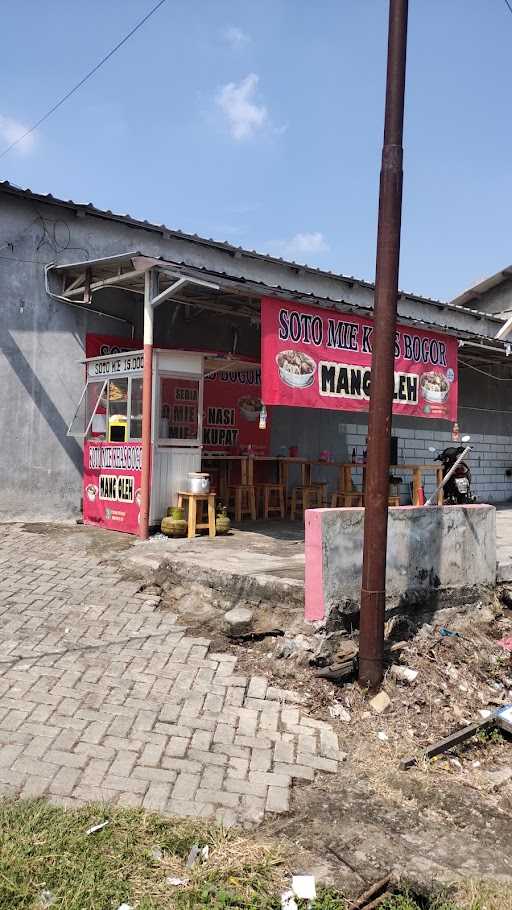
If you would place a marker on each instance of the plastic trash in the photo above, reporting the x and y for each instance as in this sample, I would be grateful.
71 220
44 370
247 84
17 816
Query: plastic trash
506 643
46 899
303 886
172 880
95 828
125 907
403 674
288 901
449 633
197 855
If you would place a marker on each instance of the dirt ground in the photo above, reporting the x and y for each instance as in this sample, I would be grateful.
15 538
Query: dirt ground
442 820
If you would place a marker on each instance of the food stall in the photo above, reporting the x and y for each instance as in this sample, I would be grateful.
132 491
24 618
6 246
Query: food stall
109 418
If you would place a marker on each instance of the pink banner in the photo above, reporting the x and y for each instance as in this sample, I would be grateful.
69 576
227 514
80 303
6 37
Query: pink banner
313 358
112 476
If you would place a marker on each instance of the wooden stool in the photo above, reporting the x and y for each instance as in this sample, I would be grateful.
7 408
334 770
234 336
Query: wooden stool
244 498
192 500
273 498
305 498
321 486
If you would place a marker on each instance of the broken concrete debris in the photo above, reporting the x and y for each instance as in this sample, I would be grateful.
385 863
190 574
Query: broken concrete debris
380 702
238 621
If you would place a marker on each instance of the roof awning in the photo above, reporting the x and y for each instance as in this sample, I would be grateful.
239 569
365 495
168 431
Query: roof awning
76 283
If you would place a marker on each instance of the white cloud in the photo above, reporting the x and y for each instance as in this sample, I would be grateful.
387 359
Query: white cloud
236 102
235 37
308 243
11 130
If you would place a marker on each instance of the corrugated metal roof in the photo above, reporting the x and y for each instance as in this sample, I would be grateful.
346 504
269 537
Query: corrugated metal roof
89 208
239 252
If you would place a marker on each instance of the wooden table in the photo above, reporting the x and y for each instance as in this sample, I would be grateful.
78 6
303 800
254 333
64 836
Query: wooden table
306 465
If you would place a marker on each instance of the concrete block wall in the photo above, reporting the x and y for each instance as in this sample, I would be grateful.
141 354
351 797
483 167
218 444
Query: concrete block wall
434 556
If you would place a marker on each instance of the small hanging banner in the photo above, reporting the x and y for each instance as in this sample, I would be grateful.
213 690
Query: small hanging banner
313 358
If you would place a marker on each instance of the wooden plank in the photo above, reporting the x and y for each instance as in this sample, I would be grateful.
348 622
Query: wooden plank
454 739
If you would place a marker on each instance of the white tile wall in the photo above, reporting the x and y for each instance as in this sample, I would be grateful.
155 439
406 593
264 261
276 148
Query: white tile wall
489 460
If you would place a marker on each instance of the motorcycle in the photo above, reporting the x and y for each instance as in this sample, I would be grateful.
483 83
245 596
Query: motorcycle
456 473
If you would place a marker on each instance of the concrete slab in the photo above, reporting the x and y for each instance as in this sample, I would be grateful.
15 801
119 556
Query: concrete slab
261 560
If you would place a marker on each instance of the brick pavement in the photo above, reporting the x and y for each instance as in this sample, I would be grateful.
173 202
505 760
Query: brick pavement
105 697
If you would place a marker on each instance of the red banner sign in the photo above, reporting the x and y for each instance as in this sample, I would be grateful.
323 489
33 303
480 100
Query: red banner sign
231 401
112 476
316 358
231 406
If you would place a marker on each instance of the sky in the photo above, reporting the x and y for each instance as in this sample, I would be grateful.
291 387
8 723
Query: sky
261 124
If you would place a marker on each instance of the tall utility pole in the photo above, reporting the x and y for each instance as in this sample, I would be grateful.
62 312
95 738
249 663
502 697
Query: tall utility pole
373 590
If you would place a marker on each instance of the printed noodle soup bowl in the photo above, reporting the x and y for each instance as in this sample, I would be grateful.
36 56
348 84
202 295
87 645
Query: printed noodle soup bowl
296 369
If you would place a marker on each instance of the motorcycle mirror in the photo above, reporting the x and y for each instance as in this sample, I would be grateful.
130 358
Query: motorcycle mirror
432 449
465 438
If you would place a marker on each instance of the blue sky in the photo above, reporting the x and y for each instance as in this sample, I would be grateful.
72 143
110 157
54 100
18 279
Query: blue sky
261 123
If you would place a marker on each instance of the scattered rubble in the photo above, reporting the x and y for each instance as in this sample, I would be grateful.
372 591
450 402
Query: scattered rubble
339 711
298 648
499 777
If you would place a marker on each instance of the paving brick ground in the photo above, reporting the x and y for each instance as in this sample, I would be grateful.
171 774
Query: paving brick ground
105 697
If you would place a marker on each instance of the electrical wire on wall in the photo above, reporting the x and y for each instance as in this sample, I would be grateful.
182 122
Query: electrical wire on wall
470 366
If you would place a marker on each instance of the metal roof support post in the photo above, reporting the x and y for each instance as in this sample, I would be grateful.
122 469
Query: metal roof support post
150 291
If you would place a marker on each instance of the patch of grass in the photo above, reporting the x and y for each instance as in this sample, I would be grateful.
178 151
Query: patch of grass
489 736
45 848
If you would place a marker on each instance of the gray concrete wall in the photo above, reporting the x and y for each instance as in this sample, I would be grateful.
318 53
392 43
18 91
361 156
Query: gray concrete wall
430 550
496 300
42 342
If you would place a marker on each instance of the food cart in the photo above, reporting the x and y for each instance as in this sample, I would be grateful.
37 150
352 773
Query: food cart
109 418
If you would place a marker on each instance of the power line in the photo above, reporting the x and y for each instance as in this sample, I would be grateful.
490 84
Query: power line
509 6
82 81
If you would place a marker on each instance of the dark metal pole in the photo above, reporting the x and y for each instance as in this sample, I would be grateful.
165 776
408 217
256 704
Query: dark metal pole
373 590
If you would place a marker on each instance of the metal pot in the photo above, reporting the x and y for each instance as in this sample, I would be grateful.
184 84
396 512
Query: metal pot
198 483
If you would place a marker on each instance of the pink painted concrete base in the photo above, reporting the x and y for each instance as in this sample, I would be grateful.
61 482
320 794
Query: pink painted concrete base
314 606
